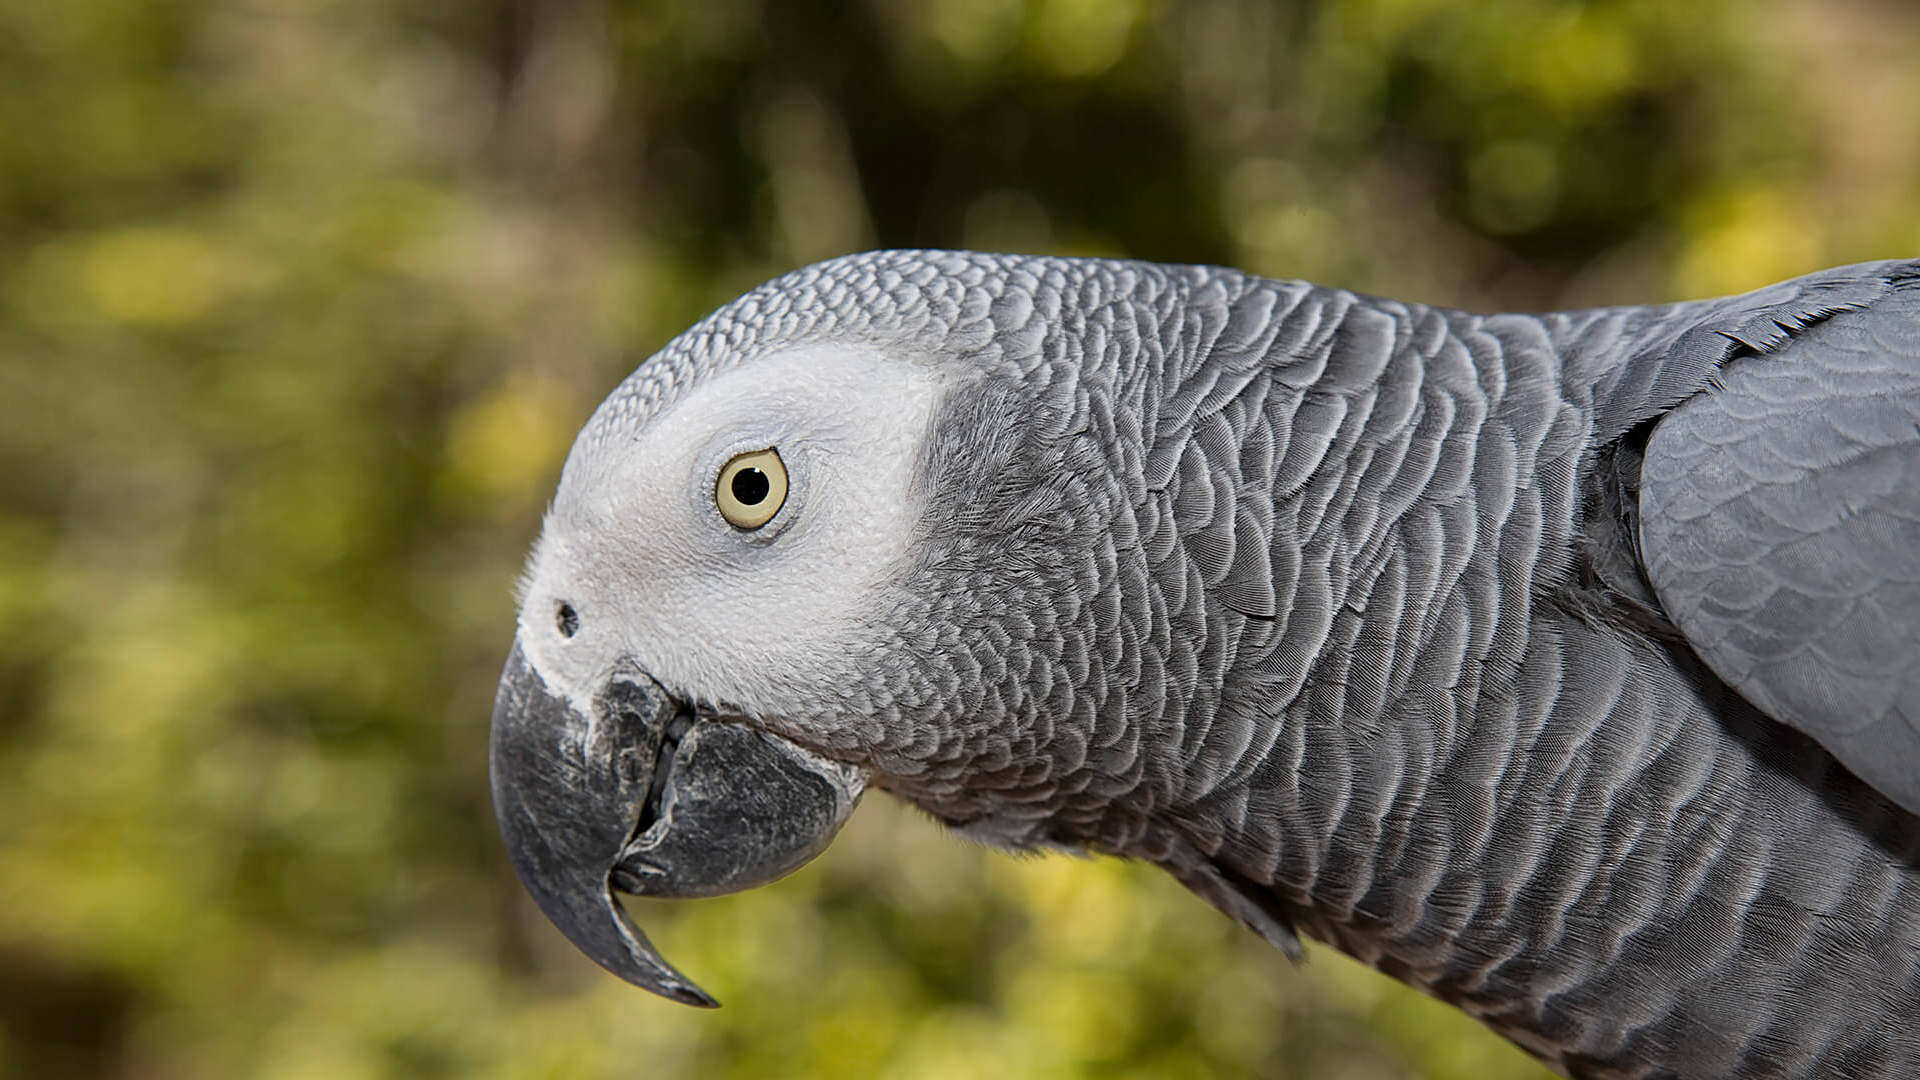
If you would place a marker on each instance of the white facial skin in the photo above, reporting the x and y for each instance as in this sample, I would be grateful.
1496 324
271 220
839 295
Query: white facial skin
755 621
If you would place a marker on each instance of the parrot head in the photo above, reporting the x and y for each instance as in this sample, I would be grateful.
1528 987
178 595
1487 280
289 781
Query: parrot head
731 626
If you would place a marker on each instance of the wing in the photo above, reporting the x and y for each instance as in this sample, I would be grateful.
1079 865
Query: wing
1780 528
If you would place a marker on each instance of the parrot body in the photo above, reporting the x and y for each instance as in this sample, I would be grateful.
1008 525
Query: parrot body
1566 667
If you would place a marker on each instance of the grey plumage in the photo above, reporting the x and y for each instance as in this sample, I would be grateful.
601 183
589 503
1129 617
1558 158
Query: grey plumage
1510 654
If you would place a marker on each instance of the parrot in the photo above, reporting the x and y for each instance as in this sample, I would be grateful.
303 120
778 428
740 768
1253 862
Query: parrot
1564 666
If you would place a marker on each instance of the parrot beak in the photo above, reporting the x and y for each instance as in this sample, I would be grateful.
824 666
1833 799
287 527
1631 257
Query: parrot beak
641 795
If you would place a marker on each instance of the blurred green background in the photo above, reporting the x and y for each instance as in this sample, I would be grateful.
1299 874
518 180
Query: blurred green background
302 300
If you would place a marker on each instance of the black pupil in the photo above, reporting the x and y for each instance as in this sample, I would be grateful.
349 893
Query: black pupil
569 621
750 486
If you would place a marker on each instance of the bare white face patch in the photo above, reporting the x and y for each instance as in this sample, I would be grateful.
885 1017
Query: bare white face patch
638 562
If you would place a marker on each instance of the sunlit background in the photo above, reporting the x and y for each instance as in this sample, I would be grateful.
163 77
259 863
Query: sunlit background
302 300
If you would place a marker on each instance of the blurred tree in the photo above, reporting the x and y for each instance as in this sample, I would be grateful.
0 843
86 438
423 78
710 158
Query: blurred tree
301 302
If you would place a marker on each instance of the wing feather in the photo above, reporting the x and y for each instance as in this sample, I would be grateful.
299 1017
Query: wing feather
1780 528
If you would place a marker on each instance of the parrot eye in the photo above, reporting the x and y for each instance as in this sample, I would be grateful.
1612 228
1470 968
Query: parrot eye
568 620
751 488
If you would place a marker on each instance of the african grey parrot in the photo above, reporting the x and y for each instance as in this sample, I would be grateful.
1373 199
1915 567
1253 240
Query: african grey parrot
1566 666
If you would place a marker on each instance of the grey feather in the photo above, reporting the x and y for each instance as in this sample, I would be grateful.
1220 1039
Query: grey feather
1781 525
1497 651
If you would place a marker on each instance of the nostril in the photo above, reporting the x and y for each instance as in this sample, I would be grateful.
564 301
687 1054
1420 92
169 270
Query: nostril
569 620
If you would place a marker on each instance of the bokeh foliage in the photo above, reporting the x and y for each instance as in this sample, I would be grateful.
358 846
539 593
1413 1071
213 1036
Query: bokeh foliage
301 301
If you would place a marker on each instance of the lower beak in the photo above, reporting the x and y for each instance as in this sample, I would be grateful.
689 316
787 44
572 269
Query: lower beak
639 794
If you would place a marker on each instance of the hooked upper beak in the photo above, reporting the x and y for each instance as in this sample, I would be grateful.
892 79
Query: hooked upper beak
639 794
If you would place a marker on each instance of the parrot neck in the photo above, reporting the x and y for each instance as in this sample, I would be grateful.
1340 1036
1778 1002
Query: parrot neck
1311 613
1604 831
